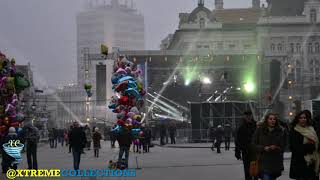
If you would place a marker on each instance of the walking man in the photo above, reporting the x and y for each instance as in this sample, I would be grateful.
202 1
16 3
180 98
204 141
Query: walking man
124 139
227 136
243 143
32 137
77 142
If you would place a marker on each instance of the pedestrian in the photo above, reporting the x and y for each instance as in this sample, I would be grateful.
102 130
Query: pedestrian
66 137
227 136
8 161
69 134
32 137
147 134
124 139
61 136
112 137
96 137
51 138
172 132
244 149
304 142
55 137
219 135
163 133
78 142
269 142
212 136
88 136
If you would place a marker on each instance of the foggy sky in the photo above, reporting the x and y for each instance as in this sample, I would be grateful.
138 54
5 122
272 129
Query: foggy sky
43 32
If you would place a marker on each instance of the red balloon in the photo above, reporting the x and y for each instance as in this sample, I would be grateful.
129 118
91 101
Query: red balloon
3 128
121 122
121 86
15 124
124 100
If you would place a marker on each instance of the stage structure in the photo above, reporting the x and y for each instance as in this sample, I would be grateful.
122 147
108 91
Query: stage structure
207 114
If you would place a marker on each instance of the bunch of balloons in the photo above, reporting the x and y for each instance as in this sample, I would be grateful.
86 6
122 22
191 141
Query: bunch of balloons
128 86
11 84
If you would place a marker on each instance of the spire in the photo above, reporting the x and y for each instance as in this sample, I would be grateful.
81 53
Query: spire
256 4
219 4
200 2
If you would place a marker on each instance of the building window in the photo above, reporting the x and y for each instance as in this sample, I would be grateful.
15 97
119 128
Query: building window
273 47
247 46
292 47
280 47
317 47
313 15
220 45
202 23
232 46
298 46
310 48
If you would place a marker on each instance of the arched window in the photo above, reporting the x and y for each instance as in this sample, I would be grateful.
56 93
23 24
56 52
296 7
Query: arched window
292 47
272 47
310 48
298 47
202 23
313 15
280 47
317 47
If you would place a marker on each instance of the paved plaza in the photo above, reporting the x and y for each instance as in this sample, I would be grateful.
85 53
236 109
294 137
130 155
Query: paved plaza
162 163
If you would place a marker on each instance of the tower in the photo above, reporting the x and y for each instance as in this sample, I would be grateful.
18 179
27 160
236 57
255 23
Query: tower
256 4
219 4
200 2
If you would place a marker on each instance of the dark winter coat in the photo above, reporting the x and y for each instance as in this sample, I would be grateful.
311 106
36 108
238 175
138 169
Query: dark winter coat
96 137
244 136
77 138
270 162
227 131
124 138
298 166
219 134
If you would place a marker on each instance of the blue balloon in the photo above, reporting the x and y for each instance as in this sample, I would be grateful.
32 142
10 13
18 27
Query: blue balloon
133 92
135 131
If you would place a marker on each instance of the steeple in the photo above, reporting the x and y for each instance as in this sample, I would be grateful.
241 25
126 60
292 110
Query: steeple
218 4
256 4
200 2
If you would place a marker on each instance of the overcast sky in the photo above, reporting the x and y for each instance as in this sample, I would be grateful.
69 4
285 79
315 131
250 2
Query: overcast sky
43 32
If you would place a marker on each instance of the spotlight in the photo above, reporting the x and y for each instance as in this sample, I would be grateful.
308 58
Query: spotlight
187 83
249 87
206 80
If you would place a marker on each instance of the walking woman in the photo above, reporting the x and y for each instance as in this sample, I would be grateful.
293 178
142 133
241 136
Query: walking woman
96 141
269 141
304 144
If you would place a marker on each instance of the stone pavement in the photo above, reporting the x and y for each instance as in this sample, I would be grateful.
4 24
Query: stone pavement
161 163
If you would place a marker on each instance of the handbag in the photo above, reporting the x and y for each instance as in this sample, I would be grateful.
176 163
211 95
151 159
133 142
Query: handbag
254 167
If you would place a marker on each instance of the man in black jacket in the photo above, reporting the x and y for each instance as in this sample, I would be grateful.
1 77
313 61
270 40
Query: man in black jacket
77 142
124 139
243 143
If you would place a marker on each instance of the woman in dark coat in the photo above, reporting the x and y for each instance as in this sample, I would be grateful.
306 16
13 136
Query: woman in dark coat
304 147
269 141
96 141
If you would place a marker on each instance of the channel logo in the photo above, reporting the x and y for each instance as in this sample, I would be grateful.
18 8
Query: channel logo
45 173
